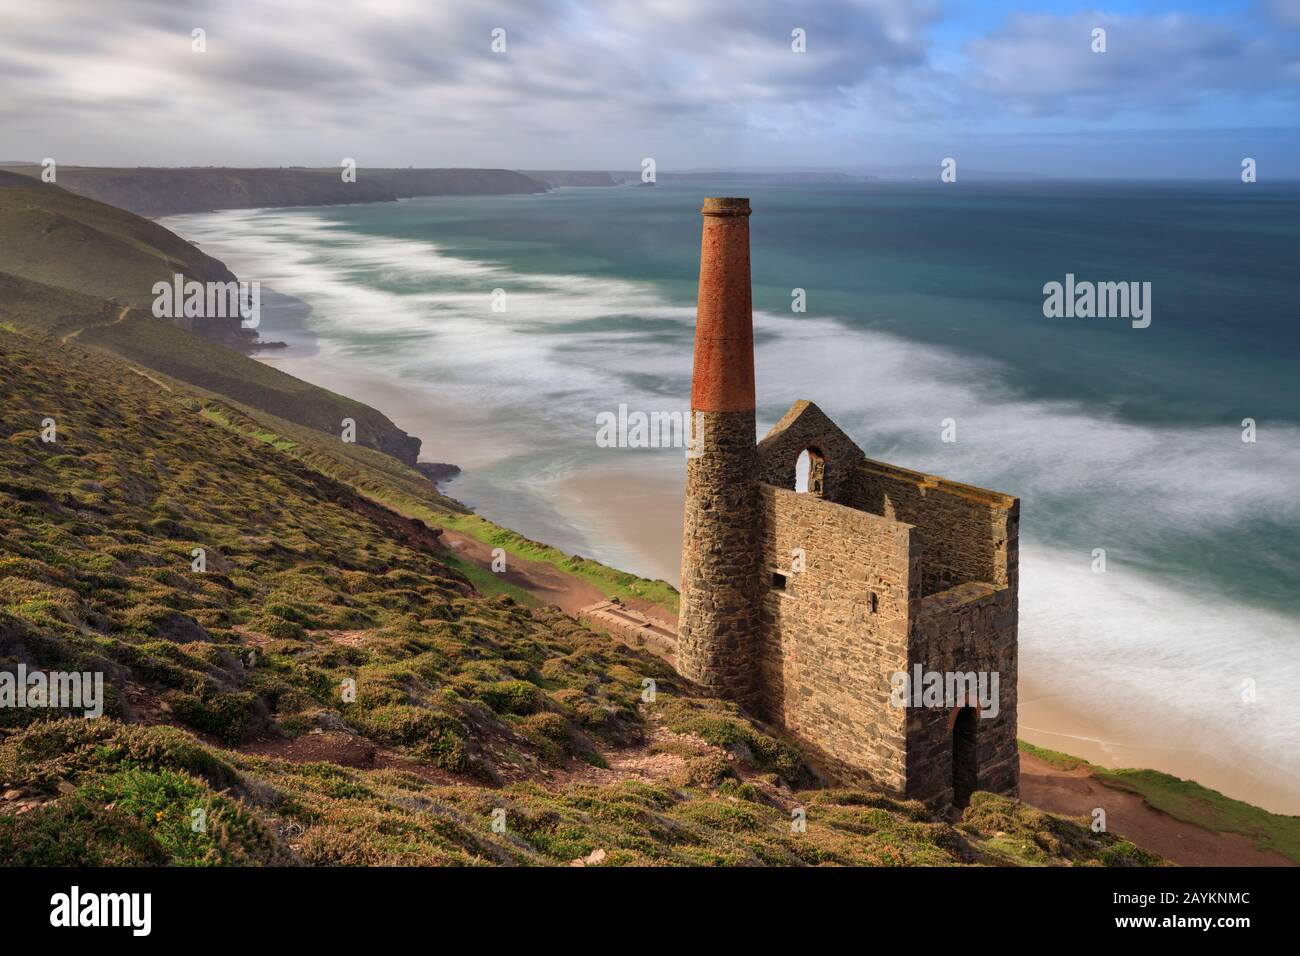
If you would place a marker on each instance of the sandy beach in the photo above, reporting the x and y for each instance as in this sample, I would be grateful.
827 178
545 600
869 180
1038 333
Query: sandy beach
644 513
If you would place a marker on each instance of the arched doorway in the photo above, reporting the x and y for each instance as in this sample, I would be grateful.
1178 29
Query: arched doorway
965 770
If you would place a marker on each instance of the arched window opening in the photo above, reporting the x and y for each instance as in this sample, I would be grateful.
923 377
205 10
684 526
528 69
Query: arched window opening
810 473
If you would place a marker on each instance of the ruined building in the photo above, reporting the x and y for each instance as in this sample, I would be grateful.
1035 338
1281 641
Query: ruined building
805 606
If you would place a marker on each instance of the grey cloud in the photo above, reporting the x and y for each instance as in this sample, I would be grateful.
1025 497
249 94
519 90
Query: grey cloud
1044 65
415 80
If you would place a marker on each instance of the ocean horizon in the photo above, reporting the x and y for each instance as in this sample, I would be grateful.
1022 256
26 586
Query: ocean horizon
924 316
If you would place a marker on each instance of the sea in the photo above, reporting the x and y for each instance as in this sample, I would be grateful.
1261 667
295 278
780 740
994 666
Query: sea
1158 465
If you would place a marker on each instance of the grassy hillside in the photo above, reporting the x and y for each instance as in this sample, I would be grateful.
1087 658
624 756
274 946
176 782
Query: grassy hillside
277 402
407 491
230 689
160 346
56 238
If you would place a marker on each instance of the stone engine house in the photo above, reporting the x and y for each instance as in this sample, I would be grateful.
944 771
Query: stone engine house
804 606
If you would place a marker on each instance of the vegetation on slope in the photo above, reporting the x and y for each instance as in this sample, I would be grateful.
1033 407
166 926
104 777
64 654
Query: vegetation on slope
160 346
57 238
408 492
66 289
331 690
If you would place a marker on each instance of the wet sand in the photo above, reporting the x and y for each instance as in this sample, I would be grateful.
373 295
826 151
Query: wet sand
1049 721
643 512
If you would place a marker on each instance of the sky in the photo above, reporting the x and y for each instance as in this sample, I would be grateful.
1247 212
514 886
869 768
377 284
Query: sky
1182 89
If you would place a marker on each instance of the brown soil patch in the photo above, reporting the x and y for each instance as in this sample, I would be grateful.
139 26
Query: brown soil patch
1076 793
327 746
346 750
545 581
345 638
145 705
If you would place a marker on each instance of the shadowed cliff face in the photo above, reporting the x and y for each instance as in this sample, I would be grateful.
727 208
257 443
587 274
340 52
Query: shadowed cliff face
165 192
77 268
54 237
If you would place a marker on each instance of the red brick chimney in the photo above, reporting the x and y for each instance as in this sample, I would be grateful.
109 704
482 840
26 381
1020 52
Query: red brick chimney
723 380
721 564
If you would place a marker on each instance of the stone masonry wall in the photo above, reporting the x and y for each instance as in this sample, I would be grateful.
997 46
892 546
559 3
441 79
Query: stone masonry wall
963 530
971 627
720 559
805 426
830 640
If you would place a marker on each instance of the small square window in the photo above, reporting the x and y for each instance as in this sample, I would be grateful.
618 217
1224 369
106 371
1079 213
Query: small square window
778 580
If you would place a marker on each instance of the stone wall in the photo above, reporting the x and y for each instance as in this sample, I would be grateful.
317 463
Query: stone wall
965 532
832 636
969 628
805 426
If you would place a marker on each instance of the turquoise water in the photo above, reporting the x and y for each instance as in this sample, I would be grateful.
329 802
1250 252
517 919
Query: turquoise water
924 303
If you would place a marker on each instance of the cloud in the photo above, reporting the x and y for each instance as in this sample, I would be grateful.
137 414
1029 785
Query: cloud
1285 13
596 83
357 66
1039 65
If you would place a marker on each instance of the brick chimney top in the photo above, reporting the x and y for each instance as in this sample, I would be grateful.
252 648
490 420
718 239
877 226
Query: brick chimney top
725 206
723 378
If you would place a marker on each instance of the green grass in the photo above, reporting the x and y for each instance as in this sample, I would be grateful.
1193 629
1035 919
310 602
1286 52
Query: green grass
214 413
491 584
1012 833
609 581
137 790
1058 760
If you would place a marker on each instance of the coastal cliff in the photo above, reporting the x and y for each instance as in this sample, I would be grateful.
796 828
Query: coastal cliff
51 236
77 269
148 191
571 177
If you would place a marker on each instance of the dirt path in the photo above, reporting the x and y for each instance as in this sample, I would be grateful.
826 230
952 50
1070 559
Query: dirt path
545 581
145 375
121 317
1076 793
